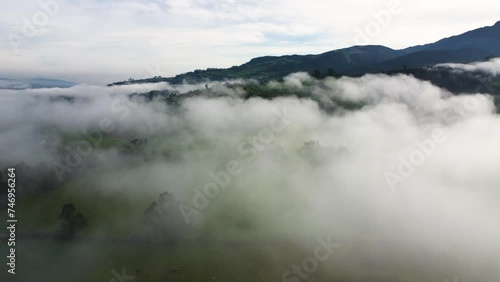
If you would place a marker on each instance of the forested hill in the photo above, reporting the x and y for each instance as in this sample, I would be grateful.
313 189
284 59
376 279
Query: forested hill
476 45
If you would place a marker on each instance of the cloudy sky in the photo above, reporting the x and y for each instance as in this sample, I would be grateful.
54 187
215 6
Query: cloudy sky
100 41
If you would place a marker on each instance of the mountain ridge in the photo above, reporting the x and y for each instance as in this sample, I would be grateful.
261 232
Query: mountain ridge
33 83
474 45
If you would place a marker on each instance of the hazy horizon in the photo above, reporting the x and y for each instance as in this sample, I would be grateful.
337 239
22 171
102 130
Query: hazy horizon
101 42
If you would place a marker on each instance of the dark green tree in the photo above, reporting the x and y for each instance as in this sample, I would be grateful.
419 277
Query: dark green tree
317 74
71 222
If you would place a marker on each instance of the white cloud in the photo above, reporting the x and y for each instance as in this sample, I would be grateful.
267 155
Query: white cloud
288 196
490 67
104 41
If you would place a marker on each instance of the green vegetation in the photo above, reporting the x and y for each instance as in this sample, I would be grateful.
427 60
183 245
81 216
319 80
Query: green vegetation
476 45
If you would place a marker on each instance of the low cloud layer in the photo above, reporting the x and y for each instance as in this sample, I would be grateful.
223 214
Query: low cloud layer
398 171
490 67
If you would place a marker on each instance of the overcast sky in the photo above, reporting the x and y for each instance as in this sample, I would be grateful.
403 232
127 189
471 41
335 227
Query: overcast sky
100 41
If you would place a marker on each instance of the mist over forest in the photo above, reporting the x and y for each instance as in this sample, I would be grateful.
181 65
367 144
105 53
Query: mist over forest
240 180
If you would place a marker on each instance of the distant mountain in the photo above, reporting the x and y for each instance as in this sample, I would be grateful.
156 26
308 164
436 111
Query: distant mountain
475 45
34 83
486 38
433 57
346 61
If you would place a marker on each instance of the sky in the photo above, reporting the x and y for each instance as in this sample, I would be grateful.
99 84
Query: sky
101 41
